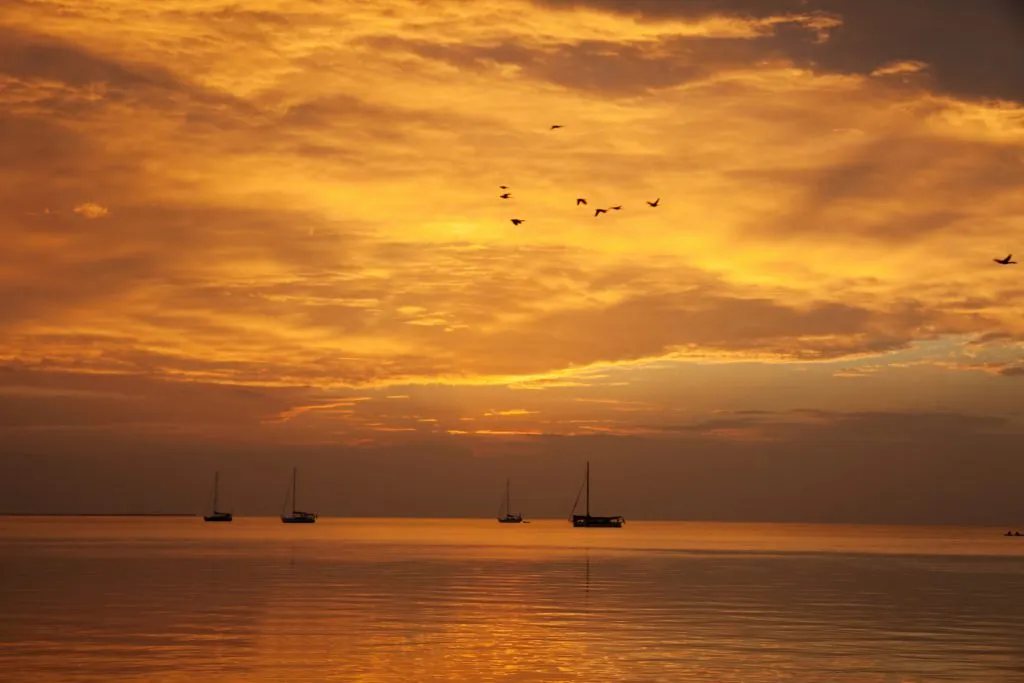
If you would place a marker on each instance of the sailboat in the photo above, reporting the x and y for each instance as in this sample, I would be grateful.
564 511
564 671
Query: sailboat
217 516
510 518
297 516
589 520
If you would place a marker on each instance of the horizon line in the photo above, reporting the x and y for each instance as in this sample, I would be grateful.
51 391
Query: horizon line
490 518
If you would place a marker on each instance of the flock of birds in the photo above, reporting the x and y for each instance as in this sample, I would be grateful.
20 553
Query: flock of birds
580 201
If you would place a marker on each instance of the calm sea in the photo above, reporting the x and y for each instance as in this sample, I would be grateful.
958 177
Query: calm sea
130 599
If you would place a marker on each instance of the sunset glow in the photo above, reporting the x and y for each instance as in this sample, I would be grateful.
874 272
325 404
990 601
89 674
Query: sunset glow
282 224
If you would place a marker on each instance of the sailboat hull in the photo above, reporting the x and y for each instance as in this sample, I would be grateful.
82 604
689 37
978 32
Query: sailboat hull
218 517
298 519
589 521
511 519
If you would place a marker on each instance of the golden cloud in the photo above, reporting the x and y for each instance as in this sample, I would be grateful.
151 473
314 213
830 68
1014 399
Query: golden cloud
307 204
91 210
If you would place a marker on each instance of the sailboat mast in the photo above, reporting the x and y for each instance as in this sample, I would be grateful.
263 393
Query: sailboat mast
295 476
588 488
508 499
216 489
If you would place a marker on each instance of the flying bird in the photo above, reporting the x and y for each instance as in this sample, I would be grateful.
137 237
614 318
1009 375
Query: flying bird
506 195
557 126
598 212
502 187
581 200
616 208
1005 261
517 221
654 204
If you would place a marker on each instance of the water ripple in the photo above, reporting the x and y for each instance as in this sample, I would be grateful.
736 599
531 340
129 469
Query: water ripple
381 601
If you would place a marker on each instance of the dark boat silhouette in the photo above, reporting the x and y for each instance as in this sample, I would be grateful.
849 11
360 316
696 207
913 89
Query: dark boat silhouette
217 516
297 516
509 517
589 520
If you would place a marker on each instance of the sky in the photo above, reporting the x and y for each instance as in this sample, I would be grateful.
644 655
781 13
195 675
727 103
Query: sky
247 236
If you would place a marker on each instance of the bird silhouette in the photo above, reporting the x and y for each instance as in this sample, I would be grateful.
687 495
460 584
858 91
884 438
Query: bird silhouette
1005 261
616 208
654 204
502 187
557 126
517 221
598 212
506 195
581 200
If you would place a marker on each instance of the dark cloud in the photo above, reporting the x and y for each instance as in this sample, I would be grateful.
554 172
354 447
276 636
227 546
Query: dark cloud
708 320
926 172
169 246
1012 371
38 59
814 425
27 56
879 425
602 66
360 122
973 49
57 80
36 144
34 398
690 9
995 337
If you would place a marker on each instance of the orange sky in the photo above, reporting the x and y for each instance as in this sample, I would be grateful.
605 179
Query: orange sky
281 224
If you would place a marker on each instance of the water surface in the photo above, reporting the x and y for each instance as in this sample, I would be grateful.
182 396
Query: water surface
100 599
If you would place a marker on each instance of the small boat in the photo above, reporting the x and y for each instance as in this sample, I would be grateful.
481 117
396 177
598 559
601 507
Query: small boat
589 520
297 516
508 517
217 516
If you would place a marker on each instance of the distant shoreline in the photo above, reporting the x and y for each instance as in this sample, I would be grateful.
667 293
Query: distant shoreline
98 514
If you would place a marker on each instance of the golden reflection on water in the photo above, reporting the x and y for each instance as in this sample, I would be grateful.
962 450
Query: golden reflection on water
459 600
